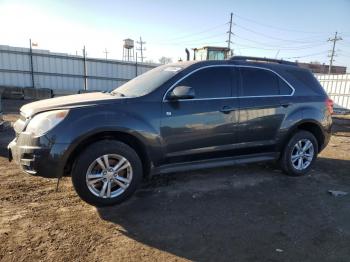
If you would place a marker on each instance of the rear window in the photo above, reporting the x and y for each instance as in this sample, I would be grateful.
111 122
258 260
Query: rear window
259 82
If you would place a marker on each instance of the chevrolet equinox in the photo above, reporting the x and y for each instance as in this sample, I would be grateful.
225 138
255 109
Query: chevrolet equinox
176 117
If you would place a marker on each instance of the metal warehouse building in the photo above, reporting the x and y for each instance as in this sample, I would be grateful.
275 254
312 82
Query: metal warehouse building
63 73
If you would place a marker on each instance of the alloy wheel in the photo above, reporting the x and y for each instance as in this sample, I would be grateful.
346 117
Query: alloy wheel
302 154
109 176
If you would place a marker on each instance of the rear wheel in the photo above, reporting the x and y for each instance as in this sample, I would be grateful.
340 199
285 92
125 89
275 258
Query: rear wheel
299 154
107 173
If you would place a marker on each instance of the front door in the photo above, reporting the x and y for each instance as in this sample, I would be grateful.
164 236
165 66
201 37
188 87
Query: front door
205 124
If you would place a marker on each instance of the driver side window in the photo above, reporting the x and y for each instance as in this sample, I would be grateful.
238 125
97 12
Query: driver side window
212 82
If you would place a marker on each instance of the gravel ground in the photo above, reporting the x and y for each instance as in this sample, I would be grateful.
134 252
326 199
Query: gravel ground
242 213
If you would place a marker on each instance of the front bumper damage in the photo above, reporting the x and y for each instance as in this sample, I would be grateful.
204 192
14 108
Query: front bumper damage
37 155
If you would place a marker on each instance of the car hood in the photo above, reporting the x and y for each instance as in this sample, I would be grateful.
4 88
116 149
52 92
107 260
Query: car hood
88 99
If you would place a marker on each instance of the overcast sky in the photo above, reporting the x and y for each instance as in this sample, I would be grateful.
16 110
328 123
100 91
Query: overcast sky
295 29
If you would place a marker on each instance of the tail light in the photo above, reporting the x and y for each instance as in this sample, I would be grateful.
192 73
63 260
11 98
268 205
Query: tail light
329 105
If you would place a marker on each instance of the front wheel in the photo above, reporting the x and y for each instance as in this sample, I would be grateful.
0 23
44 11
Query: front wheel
299 154
107 173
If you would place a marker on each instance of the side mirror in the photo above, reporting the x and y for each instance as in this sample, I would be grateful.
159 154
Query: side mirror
181 92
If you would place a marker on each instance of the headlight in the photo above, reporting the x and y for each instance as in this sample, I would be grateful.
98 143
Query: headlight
43 122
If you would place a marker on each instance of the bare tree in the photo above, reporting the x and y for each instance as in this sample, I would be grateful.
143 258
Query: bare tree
165 60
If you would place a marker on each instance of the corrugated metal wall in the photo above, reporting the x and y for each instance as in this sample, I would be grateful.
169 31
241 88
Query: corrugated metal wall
63 73
337 87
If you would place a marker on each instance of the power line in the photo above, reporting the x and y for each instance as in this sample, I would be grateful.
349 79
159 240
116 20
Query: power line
346 42
192 41
313 54
334 40
345 52
279 46
202 43
269 36
207 37
345 55
198 32
211 43
277 28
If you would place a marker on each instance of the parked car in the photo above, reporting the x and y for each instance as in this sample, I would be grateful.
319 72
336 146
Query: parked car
176 117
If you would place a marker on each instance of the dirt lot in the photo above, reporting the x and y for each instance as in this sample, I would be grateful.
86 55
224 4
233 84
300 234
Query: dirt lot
242 213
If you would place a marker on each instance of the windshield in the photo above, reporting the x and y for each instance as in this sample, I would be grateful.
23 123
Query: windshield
147 82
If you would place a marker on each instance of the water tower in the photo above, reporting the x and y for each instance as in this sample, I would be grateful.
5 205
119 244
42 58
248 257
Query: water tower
128 50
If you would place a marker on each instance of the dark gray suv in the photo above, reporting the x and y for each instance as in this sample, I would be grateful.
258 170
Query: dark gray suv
176 117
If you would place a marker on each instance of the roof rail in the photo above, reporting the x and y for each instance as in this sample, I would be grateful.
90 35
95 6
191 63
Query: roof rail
262 59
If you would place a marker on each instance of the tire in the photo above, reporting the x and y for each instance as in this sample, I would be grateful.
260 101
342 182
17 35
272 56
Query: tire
89 177
290 153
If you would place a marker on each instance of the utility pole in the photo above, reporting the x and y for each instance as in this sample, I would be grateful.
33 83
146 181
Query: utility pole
334 40
141 49
31 63
106 52
136 70
229 42
85 71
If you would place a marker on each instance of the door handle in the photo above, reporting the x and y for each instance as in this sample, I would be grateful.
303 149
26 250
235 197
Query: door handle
226 109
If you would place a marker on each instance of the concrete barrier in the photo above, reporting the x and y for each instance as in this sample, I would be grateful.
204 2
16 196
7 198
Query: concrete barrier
37 93
81 91
13 93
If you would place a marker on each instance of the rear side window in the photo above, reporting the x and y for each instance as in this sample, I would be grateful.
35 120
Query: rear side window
259 82
212 82
284 88
305 81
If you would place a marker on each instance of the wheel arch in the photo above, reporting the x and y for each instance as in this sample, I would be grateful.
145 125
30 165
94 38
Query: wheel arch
122 136
311 126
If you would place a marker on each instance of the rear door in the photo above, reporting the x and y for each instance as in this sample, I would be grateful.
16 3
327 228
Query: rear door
261 112
206 123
